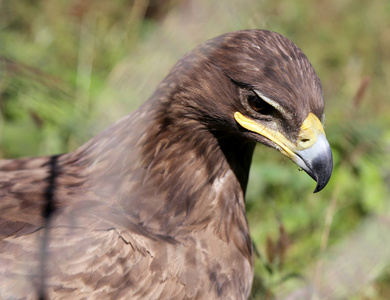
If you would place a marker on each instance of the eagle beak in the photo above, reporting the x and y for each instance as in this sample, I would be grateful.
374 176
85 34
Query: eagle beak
317 161
311 152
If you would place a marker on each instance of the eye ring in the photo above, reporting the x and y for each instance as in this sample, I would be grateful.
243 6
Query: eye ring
259 105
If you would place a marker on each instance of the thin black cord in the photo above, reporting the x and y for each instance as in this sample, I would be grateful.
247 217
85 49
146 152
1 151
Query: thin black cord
47 213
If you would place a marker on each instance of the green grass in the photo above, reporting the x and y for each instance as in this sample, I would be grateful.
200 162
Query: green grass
69 69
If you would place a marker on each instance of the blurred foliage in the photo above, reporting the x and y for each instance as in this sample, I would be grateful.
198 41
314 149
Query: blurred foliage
70 68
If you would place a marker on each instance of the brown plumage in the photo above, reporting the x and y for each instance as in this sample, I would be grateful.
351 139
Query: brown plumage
153 207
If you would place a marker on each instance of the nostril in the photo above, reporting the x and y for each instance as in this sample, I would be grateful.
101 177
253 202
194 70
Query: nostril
304 143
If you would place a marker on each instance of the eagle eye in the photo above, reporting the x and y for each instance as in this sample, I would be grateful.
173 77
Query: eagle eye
259 105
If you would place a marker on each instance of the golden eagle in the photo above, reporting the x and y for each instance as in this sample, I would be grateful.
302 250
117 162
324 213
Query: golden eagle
153 207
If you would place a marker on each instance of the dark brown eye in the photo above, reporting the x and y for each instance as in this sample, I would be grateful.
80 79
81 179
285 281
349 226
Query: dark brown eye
259 105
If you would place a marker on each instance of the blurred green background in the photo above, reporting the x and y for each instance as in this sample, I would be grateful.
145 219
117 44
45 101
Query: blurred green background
70 68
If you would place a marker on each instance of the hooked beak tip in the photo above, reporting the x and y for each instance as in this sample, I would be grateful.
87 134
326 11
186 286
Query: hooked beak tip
317 161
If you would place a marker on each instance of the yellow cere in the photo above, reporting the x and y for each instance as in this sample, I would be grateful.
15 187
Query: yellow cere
311 128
